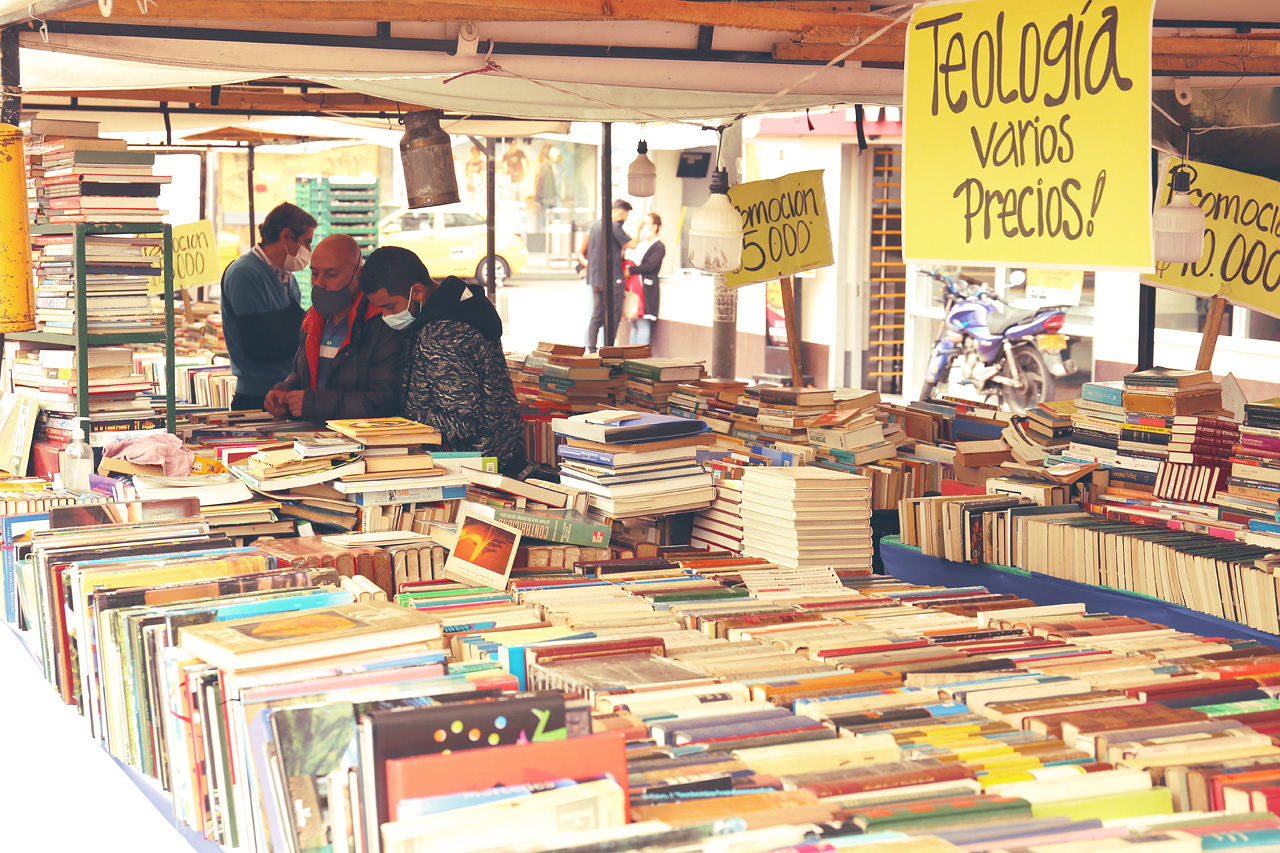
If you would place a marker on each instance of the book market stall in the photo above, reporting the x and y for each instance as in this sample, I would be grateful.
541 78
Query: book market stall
239 631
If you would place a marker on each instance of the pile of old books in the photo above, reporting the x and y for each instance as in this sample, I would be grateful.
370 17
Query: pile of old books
570 380
807 517
634 463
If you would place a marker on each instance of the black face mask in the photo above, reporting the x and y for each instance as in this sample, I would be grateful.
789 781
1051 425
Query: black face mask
332 302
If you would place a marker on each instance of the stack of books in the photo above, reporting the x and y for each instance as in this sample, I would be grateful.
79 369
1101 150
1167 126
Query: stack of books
117 270
633 463
807 517
1167 391
569 380
118 398
851 435
650 381
398 474
85 178
711 401
49 143
1254 473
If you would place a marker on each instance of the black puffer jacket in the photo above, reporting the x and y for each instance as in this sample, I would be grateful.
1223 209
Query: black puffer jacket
365 375
455 377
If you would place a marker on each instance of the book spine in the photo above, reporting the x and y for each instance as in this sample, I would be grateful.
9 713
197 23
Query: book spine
383 497
563 530
1098 393
586 454
642 371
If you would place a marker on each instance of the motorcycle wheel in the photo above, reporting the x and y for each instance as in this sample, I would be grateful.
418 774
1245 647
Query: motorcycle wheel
927 390
1038 382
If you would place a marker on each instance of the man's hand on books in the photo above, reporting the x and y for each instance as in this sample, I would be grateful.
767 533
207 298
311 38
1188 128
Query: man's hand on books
282 403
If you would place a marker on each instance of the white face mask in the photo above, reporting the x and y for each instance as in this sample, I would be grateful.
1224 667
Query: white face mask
401 319
298 262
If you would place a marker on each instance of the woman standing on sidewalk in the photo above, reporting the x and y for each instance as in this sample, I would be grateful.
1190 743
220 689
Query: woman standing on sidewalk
647 257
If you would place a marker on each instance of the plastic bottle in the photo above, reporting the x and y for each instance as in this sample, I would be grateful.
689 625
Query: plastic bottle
76 461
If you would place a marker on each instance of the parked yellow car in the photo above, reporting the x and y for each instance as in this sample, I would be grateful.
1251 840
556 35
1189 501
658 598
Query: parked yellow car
451 241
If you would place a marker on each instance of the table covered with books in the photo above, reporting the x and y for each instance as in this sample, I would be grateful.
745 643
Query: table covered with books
910 564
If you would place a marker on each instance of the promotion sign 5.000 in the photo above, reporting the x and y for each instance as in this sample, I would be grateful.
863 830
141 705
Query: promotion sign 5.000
1241 258
1027 129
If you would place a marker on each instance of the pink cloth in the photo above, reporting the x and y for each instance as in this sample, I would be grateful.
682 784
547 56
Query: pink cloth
164 449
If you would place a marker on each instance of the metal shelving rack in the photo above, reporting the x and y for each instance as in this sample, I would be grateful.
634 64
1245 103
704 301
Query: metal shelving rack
83 340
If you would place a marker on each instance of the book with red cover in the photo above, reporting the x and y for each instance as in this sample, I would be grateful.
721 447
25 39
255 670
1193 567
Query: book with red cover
460 726
479 769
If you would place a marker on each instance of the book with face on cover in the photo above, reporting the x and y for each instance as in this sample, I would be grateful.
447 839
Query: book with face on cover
310 635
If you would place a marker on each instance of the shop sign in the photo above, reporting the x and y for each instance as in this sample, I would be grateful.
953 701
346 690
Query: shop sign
785 227
195 257
1027 134
1241 259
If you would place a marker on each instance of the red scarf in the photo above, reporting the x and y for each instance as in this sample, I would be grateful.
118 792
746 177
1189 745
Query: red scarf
313 326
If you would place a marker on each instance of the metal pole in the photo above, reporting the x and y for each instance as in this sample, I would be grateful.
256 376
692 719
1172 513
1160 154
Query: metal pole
1147 296
10 78
252 239
606 233
724 317
491 213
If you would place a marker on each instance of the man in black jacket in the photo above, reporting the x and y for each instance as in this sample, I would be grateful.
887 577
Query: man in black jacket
348 360
455 376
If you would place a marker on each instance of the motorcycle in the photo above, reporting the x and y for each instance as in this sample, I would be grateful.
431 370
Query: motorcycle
1012 354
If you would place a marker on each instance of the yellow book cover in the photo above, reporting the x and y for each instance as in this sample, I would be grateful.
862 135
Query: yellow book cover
1152 801
308 635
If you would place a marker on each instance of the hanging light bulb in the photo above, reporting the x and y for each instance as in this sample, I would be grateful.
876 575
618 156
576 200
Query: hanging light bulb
715 230
642 175
1179 225
427 157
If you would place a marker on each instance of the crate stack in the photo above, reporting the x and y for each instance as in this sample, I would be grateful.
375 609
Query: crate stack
340 206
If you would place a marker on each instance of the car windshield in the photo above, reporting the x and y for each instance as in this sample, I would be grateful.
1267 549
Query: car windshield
415 220
456 220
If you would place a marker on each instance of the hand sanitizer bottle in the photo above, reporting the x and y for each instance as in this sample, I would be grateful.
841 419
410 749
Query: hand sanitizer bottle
76 461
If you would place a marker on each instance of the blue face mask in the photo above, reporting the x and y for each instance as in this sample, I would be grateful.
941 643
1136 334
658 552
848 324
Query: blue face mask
401 319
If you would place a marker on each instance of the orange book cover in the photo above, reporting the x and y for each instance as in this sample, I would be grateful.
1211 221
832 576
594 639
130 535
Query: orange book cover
480 769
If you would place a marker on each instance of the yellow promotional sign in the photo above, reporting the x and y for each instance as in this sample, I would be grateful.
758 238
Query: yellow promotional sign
1241 259
1061 287
195 255
1027 134
785 227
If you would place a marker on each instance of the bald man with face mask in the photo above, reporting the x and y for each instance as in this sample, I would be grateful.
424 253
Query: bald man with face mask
348 359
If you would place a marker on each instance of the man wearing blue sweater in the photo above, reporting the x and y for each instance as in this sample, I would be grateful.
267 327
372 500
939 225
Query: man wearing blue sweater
262 304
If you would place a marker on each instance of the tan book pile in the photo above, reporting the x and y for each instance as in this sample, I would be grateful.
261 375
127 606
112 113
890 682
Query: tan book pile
807 517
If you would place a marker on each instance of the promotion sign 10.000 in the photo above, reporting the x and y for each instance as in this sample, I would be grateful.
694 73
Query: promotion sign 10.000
1241 258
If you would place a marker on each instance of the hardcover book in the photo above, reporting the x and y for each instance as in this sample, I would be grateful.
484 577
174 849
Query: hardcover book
296 637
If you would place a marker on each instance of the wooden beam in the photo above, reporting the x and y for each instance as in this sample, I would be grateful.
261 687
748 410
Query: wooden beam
1209 338
790 51
792 323
790 16
233 99
396 11
1191 65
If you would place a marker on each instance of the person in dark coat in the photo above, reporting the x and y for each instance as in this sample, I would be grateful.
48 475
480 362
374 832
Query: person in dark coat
455 376
348 360
591 255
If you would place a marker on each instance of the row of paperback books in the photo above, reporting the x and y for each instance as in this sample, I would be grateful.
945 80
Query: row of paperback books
645 704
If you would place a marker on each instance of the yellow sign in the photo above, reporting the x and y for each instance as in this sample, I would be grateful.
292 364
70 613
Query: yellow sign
1026 137
195 255
1241 259
785 227
1061 287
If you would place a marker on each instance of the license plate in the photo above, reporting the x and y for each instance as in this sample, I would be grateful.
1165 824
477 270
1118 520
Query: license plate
1052 343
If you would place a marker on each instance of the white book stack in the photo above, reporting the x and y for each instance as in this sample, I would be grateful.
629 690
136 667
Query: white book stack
719 526
807 517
